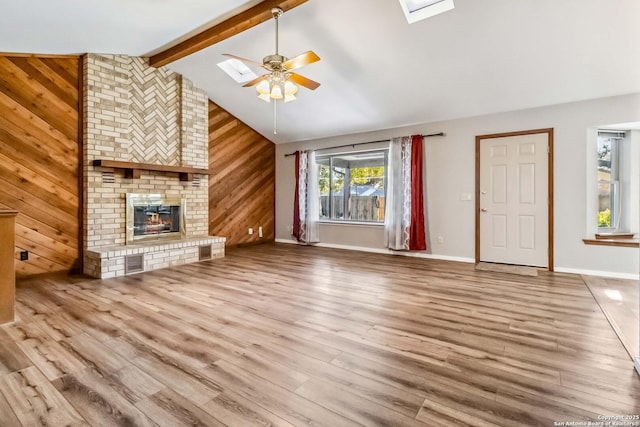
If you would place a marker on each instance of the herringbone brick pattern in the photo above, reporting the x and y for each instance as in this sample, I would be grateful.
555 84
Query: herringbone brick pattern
155 114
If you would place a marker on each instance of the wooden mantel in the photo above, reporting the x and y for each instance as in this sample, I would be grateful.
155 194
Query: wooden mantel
132 170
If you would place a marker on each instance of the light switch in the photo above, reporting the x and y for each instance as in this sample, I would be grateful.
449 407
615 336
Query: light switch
466 197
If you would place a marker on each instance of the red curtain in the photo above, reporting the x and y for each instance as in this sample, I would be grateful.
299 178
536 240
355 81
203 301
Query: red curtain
296 201
417 234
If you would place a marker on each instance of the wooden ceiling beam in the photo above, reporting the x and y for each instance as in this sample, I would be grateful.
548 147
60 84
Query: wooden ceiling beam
235 25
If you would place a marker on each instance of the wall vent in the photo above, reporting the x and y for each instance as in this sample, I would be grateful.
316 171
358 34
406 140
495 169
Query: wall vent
108 178
205 252
196 181
133 263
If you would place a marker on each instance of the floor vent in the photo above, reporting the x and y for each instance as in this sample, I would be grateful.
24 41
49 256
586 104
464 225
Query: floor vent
133 264
205 252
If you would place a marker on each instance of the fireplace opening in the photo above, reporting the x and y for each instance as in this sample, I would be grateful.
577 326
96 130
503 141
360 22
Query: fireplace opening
154 216
155 220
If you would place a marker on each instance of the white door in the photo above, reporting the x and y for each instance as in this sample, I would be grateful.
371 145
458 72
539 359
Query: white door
513 200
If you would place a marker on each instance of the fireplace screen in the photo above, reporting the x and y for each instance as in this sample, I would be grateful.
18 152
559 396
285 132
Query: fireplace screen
154 216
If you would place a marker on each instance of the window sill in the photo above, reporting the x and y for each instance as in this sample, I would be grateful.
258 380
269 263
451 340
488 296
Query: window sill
625 242
358 223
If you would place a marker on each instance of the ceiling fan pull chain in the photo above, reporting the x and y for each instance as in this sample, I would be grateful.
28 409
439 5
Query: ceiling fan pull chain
275 117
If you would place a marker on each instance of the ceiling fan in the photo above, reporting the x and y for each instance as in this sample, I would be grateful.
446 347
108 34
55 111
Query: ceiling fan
278 83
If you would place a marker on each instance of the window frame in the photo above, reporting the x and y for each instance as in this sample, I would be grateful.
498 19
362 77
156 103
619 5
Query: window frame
347 186
616 201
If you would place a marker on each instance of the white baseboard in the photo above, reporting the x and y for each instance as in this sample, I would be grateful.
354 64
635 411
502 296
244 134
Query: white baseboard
287 241
611 274
383 251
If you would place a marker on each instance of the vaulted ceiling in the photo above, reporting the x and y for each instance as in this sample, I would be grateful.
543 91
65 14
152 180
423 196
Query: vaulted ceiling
377 71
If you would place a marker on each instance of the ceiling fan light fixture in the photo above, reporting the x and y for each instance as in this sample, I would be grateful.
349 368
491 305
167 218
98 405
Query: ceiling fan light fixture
263 87
273 87
290 88
289 91
276 91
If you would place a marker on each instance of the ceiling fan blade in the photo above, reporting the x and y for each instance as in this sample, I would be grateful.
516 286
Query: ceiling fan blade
239 58
303 81
301 60
256 80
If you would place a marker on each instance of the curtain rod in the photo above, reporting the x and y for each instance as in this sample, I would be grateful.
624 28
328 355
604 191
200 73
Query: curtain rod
363 143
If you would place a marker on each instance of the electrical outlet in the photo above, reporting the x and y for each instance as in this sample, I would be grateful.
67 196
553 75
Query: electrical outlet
251 231
440 239
24 255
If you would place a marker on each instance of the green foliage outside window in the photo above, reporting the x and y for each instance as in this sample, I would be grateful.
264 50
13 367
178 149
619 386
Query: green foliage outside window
323 181
367 176
604 218
359 176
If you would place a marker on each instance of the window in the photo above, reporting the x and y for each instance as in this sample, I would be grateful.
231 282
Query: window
613 187
417 10
237 70
610 174
352 186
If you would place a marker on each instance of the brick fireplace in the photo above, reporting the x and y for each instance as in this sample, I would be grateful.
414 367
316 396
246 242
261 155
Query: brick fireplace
154 122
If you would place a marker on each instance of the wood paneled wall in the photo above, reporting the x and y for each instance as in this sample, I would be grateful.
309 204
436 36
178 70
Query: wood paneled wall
242 184
39 159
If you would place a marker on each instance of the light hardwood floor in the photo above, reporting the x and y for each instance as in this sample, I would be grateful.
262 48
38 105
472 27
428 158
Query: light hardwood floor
285 335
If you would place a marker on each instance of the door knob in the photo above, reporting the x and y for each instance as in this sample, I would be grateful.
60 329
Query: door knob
483 209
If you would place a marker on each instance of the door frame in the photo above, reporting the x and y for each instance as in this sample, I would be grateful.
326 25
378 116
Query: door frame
549 132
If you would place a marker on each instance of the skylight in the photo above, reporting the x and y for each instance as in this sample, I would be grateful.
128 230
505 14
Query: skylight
237 70
417 10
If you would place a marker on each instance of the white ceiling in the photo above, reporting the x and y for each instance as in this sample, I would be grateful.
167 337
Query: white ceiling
377 71
132 27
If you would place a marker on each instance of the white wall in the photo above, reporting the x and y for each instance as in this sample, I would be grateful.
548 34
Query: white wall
450 171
